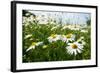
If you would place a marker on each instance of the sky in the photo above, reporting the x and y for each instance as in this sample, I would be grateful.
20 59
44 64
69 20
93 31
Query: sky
64 17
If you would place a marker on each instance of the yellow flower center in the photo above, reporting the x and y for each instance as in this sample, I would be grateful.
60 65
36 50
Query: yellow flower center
34 43
45 46
68 36
63 35
74 46
53 36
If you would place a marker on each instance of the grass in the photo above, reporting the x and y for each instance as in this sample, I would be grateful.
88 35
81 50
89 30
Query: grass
54 51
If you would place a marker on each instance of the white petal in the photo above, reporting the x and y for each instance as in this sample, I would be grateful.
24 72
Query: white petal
75 52
39 43
31 47
27 36
69 43
80 46
50 39
70 50
79 51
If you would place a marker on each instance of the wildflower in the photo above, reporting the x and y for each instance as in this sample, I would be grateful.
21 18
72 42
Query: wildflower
34 44
27 36
53 37
39 43
53 28
84 31
64 27
31 47
74 48
31 18
70 37
24 20
44 46
75 28
27 14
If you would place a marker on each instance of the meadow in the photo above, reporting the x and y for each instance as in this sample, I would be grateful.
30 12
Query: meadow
55 42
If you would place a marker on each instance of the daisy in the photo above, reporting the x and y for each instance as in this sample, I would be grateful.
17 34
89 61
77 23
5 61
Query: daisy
26 24
39 43
44 46
75 28
31 47
74 48
70 37
24 20
31 18
64 27
84 31
53 38
27 14
34 44
27 36
53 28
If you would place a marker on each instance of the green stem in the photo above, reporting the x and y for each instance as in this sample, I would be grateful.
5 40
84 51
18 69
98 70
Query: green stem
74 57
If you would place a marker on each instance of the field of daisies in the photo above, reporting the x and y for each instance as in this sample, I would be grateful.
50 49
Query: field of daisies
53 41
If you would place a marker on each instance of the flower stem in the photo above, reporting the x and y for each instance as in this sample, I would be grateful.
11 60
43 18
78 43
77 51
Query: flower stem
74 57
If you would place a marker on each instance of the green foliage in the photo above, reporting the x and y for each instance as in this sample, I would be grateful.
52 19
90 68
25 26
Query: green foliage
55 51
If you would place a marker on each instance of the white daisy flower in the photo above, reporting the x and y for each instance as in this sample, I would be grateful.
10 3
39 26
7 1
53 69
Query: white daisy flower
75 28
31 47
74 48
70 37
26 24
31 18
84 31
27 14
53 38
45 46
27 36
34 44
39 43
64 27
28 20
24 20
53 28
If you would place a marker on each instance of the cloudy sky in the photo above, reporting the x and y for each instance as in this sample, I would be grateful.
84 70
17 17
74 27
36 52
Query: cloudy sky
64 17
